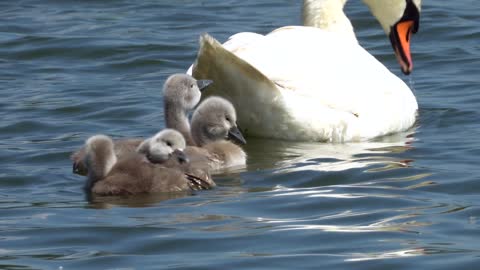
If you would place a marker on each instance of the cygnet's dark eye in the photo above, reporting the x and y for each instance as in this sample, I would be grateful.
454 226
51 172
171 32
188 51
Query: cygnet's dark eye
227 118
169 143
192 85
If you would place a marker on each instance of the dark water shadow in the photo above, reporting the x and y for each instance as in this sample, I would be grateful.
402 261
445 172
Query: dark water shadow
139 200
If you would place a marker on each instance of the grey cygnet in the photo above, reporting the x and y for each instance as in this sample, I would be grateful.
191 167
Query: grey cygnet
131 174
213 129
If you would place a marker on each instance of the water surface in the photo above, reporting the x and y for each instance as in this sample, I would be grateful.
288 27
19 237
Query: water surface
71 69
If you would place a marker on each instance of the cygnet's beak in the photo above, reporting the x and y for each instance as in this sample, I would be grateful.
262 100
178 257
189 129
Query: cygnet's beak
202 84
180 156
236 135
79 169
400 35
75 168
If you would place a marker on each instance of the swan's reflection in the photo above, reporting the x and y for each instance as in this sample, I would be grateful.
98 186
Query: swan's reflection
295 156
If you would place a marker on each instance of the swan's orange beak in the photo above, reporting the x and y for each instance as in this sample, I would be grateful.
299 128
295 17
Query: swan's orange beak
400 34
401 44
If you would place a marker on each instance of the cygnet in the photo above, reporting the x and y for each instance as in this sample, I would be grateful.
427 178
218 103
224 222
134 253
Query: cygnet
214 129
131 174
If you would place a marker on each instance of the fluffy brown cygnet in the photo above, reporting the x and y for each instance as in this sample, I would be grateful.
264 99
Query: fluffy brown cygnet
166 148
121 147
213 129
181 93
132 173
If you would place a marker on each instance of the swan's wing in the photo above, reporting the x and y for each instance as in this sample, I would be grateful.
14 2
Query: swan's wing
234 43
242 40
302 82
335 72
319 64
252 93
227 65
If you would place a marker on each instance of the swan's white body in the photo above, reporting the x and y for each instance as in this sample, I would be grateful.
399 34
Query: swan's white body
306 83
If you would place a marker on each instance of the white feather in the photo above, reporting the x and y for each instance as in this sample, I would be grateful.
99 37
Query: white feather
306 83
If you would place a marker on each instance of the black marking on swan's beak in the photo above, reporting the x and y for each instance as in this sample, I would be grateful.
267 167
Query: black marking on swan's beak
400 34
202 84
235 135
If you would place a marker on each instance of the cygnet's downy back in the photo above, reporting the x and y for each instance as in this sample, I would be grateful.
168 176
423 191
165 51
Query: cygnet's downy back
166 148
133 173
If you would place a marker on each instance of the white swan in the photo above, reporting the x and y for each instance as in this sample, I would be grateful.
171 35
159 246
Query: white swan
315 82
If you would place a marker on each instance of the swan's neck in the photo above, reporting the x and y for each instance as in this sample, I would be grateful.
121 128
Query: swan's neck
327 15
176 118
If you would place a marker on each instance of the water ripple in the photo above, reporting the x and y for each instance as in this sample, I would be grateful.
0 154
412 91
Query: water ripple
70 69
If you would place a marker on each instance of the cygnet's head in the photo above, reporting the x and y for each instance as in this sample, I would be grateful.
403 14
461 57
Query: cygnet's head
163 145
183 90
215 119
99 156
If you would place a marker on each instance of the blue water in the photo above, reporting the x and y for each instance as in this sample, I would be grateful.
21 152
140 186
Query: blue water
71 69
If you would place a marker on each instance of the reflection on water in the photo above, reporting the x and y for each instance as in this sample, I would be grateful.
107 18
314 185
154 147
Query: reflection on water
356 257
387 225
295 156
400 220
